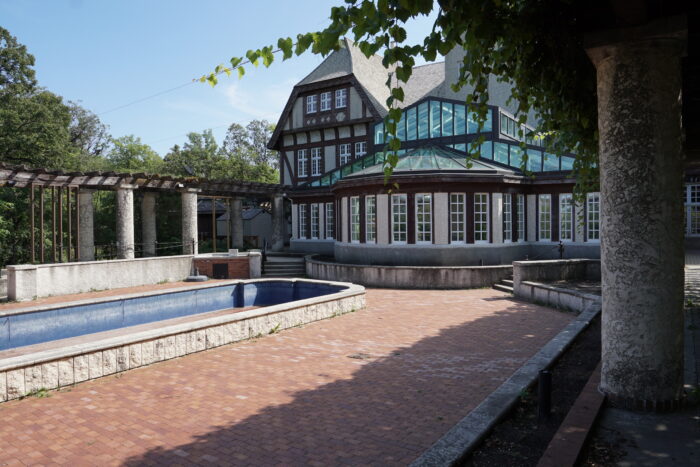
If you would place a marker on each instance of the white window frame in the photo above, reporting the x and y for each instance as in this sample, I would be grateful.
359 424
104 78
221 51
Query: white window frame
520 206
458 218
314 221
566 217
507 218
329 221
592 216
302 160
315 162
424 209
399 228
481 218
341 98
302 221
360 149
325 101
692 210
311 104
344 152
544 218
354 219
371 219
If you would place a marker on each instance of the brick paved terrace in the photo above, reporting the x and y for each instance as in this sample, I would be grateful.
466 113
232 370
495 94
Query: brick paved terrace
377 386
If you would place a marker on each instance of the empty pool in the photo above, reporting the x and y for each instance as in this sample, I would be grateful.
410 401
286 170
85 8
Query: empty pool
47 323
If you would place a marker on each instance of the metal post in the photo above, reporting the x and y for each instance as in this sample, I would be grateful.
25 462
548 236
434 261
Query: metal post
70 224
77 225
213 223
544 395
31 216
228 224
53 222
41 222
60 224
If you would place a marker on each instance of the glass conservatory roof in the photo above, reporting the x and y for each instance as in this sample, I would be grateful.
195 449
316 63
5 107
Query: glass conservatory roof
434 159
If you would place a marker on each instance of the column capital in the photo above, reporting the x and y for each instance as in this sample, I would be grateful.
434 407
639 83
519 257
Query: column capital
126 186
193 191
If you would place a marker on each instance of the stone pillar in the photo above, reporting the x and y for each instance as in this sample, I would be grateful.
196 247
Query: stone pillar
125 222
277 243
190 243
641 167
86 214
148 223
236 220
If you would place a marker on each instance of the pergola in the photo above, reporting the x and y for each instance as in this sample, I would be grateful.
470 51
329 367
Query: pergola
77 189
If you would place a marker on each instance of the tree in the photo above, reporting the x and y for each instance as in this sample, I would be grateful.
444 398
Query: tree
89 136
15 65
635 51
129 154
197 157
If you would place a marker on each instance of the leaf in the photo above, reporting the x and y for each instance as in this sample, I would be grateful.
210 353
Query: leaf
241 72
285 45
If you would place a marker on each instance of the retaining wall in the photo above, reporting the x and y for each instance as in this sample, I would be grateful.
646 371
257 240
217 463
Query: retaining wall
408 277
65 366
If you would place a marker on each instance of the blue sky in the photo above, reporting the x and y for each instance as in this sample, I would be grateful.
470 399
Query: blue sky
104 54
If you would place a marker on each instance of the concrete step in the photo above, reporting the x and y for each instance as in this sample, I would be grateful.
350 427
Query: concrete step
503 288
274 267
278 274
508 282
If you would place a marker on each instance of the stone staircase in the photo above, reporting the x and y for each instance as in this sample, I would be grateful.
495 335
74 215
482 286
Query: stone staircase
505 285
284 265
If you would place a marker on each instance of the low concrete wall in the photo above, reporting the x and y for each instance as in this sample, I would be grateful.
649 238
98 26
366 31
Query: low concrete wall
56 368
26 282
408 277
558 297
321 247
3 283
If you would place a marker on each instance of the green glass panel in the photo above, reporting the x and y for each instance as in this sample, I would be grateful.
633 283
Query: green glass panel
488 124
504 124
346 170
460 119
461 147
447 122
335 176
500 153
411 124
315 183
325 181
487 150
357 165
423 121
379 133
434 119
472 125
567 163
551 162
516 156
534 160
401 128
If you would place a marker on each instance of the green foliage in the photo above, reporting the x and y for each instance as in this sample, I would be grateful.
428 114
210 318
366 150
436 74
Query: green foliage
129 154
536 46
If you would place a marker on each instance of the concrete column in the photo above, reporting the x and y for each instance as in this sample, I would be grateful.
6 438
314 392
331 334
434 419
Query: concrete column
295 221
497 217
125 222
236 222
190 243
641 167
86 214
277 223
148 223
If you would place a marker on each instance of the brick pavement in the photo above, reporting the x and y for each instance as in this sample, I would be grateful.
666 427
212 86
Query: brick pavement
377 386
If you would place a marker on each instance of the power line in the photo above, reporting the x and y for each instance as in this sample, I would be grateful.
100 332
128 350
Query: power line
137 101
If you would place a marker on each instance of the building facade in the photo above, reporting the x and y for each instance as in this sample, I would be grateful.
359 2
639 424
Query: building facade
438 209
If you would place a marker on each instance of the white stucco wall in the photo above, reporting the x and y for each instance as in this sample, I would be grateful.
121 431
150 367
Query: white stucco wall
382 219
531 217
497 217
440 205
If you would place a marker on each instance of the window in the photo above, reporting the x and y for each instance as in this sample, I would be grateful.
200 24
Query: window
434 119
398 218
551 162
545 218
355 219
516 156
401 127
370 219
302 163
341 98
344 153
423 121
457 217
534 160
311 104
411 124
314 220
460 119
315 162
481 217
507 218
424 218
360 149
325 101
593 216
447 127
302 221
501 153
330 221
521 218
379 133
692 210
566 218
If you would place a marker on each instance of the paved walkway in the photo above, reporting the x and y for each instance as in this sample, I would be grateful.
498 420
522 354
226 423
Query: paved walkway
377 386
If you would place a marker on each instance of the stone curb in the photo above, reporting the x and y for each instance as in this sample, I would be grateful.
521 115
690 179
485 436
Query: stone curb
462 438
